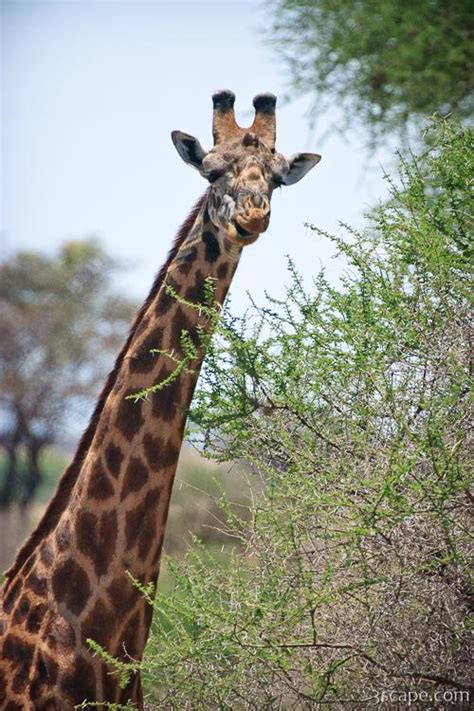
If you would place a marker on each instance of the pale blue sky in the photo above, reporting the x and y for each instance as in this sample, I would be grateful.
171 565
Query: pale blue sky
90 94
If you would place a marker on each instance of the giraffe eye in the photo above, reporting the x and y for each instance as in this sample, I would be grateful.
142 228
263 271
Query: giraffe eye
213 175
213 167
277 179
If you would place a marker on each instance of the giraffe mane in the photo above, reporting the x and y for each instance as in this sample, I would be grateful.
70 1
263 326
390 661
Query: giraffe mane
61 498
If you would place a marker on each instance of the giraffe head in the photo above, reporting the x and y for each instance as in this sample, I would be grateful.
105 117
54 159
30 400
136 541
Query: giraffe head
242 168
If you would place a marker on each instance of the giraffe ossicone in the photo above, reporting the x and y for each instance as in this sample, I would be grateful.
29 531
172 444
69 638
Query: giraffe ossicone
71 580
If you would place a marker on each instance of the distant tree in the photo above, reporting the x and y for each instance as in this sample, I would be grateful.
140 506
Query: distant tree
383 63
60 322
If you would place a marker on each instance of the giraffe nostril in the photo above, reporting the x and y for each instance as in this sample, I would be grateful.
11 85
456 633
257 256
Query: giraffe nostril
254 202
248 204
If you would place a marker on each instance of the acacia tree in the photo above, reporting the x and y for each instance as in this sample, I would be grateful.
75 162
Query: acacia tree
385 64
349 404
60 322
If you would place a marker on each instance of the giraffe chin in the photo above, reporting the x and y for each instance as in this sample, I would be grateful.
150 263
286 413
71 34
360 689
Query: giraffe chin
236 238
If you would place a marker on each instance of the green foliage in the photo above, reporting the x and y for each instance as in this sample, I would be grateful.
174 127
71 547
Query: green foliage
383 63
351 405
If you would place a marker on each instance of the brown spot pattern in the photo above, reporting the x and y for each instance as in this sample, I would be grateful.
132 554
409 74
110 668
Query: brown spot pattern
140 522
80 683
136 477
180 323
109 684
3 687
96 538
196 293
100 487
46 673
166 300
36 617
170 453
71 586
37 584
13 706
186 261
21 610
11 596
142 361
222 270
153 447
164 402
212 250
133 520
129 642
113 459
159 454
20 653
63 535
129 418
86 533
123 595
99 624
46 554
108 538
147 532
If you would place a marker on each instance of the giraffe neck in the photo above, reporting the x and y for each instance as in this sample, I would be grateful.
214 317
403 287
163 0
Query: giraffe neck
128 472
115 520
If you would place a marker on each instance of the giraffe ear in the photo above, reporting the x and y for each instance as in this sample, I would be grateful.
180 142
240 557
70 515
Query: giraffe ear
300 164
189 149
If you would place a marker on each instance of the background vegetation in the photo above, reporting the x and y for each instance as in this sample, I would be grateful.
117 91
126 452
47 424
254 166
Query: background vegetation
387 65
60 323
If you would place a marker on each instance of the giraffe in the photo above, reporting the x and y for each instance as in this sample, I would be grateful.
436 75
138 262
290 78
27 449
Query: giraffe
69 582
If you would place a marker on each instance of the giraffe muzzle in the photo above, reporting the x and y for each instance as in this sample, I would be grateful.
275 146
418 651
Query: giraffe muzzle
249 225
239 235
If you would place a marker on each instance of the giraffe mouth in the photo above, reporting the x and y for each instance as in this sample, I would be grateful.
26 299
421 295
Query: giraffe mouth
252 223
241 232
239 235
